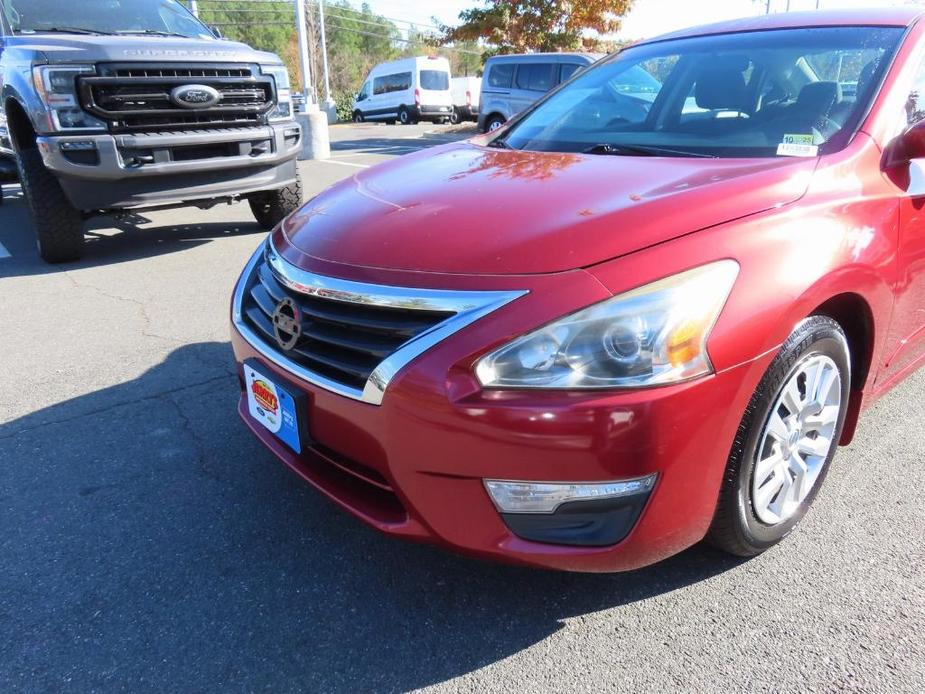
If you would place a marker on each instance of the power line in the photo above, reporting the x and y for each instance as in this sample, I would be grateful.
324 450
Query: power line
333 8
401 40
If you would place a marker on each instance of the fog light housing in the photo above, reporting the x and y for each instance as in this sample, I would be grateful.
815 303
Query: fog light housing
571 513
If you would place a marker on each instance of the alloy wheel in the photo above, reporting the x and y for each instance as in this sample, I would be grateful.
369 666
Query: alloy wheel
797 439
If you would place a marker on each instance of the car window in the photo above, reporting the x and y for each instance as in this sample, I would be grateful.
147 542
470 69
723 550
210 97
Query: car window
386 84
915 104
567 70
784 92
501 75
536 77
435 79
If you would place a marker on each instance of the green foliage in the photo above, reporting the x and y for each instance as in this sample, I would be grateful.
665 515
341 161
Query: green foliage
344 102
267 26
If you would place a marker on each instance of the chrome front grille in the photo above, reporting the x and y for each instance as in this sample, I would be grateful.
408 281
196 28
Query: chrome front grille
352 337
136 97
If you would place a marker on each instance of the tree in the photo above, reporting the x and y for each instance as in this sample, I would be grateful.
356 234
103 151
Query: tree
520 26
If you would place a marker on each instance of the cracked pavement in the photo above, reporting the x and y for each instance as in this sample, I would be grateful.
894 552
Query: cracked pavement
148 543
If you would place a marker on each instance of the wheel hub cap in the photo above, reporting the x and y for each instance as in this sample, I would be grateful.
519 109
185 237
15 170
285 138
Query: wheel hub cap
797 439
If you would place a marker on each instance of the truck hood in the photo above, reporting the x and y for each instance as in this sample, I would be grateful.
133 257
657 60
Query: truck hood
69 48
468 209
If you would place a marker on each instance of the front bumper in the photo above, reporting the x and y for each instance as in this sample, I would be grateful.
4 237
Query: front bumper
105 170
415 465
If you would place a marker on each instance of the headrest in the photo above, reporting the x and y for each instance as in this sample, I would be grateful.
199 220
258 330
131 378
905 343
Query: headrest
819 97
867 76
721 87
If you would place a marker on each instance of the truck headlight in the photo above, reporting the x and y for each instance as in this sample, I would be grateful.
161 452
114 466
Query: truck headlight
283 110
653 335
57 88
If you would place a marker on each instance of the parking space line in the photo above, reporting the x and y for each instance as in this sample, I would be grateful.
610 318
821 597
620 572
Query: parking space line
346 163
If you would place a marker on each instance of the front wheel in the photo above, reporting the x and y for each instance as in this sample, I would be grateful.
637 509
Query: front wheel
358 117
270 207
59 232
786 440
494 123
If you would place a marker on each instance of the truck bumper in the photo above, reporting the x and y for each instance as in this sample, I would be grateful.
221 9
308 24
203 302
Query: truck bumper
115 171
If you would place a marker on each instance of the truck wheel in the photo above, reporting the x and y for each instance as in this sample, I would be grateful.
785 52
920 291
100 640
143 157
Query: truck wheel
58 225
404 116
358 117
455 117
270 207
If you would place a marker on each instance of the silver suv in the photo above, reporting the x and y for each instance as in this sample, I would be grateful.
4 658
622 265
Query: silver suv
511 83
116 104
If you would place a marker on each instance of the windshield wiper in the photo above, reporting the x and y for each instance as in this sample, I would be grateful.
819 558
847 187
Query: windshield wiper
498 143
149 32
643 151
66 30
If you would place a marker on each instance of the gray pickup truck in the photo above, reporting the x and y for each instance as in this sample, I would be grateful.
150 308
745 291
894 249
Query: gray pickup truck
115 105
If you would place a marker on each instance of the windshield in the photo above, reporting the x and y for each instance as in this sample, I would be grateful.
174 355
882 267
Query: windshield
794 92
103 16
435 79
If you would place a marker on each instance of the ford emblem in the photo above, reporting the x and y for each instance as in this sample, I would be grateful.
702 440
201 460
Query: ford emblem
195 96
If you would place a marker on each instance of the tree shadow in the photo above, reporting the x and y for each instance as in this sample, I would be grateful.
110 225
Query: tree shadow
149 538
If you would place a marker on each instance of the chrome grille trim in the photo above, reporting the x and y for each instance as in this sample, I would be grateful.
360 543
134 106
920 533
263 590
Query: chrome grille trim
467 306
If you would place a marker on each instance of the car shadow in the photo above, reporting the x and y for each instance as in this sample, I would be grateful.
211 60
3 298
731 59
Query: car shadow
108 240
150 538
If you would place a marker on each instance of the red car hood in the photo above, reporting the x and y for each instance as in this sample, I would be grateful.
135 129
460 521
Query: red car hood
472 210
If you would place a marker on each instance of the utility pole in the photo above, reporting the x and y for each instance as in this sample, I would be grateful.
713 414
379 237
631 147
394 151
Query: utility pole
303 53
316 142
324 56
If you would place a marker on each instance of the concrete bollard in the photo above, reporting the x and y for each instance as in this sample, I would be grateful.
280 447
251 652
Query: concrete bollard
316 141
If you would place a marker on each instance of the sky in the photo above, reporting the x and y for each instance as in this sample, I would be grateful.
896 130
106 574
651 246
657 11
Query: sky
647 18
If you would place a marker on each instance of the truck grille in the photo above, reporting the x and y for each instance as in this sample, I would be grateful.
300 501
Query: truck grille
341 340
136 97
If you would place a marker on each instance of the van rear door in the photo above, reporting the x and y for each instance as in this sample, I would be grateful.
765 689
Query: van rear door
435 87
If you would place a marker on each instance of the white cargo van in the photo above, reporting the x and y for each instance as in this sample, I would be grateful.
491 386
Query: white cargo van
465 91
407 90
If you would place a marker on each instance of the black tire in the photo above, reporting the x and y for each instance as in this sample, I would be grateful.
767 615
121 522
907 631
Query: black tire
494 122
59 226
736 528
455 118
270 207
404 116
358 117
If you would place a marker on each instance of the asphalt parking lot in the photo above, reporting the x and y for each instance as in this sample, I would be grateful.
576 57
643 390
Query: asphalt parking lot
148 543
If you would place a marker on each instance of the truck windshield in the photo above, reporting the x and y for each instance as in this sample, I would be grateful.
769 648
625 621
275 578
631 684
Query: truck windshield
788 92
154 17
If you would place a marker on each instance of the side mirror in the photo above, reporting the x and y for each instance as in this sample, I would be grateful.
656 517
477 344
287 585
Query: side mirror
908 146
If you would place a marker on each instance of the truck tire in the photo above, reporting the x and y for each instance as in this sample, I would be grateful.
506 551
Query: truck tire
58 225
270 207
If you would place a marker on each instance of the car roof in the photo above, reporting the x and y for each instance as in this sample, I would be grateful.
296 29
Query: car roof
537 57
874 16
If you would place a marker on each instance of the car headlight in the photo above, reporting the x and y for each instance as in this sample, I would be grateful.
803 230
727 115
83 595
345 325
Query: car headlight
653 335
283 110
57 87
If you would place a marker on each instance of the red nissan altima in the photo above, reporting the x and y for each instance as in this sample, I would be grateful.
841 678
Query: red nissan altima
644 313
